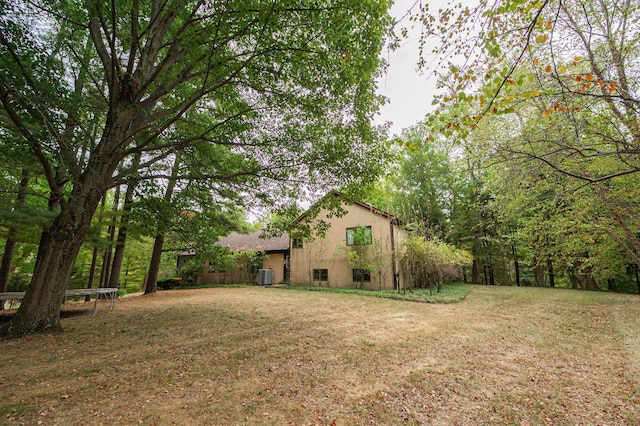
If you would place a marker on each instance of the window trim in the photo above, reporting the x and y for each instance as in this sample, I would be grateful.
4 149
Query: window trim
320 273
296 243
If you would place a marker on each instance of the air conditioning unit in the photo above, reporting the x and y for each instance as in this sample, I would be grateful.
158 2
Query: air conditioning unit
265 276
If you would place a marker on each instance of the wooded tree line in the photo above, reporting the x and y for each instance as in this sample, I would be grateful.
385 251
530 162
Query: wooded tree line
147 117
531 159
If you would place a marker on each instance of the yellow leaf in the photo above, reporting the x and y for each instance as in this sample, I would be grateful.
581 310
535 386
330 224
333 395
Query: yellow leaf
535 93
547 68
562 69
549 24
578 58
538 5
536 61
511 98
541 39
589 77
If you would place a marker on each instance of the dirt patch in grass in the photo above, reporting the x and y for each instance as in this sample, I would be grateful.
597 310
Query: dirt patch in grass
269 356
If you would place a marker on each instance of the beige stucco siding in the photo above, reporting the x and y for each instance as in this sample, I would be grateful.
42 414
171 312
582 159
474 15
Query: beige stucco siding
275 261
330 252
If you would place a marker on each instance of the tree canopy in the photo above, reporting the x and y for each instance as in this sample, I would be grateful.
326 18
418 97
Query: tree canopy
96 91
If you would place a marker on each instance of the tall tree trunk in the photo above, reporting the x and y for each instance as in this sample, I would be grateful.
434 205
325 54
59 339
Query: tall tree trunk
95 253
154 265
476 269
552 279
111 232
516 264
10 245
118 254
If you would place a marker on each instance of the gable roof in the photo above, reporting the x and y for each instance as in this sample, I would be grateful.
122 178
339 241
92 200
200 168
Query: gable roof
369 207
245 242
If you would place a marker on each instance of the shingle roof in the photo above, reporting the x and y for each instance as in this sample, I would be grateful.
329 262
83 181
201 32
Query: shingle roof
245 242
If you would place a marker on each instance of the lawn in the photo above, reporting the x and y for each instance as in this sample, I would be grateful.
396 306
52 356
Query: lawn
225 356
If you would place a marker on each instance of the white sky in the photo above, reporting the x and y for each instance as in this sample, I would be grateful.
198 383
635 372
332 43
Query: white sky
409 93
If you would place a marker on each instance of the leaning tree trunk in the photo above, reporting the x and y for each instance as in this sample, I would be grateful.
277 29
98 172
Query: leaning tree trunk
59 247
61 242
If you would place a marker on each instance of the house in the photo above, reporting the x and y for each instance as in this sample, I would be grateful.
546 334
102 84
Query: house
357 250
252 253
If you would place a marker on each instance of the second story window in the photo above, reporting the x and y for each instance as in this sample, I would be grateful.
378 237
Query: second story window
360 235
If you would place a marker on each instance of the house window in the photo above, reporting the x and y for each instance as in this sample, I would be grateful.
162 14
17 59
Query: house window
359 235
361 275
297 243
321 275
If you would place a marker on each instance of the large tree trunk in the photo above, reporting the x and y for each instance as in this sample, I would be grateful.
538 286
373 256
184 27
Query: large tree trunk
582 277
476 272
59 246
10 245
539 277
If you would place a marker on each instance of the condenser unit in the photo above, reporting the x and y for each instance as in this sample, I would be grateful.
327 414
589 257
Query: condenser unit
265 276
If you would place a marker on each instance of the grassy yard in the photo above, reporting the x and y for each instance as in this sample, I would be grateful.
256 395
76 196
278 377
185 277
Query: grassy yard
226 356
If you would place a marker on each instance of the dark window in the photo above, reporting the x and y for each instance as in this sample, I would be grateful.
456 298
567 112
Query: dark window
321 275
361 275
359 235
297 243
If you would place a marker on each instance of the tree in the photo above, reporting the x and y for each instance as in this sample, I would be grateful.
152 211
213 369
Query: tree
288 88
556 81
429 263
421 189
571 64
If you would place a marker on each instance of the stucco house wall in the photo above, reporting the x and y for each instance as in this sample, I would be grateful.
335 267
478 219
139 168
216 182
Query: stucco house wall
276 262
330 252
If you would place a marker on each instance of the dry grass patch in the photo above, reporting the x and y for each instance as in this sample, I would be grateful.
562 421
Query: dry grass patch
270 356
